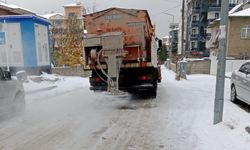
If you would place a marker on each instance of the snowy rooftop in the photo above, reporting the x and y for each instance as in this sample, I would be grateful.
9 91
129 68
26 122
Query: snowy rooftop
15 8
166 37
51 15
233 10
74 5
242 13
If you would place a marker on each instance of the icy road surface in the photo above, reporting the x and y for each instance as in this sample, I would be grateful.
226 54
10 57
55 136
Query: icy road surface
180 118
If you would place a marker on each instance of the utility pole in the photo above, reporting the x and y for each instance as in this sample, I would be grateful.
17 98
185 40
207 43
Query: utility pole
182 27
220 78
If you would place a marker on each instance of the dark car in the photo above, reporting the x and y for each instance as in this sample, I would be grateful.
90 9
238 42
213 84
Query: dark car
12 95
240 84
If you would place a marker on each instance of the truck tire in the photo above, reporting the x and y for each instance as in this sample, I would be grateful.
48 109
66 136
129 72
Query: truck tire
154 93
154 90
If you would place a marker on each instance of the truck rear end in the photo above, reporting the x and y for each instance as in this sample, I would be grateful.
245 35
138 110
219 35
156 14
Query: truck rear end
121 51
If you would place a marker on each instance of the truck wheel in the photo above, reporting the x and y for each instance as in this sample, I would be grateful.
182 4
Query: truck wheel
154 90
154 93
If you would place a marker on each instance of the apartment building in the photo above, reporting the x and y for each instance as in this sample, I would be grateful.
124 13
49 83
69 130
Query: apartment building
199 13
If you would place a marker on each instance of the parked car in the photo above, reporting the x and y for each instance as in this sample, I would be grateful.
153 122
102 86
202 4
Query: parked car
12 96
240 84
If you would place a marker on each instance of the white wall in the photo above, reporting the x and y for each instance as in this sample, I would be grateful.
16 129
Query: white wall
234 64
211 15
231 65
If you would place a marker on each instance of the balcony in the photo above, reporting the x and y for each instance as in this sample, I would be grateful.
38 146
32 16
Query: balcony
214 7
195 24
196 10
194 37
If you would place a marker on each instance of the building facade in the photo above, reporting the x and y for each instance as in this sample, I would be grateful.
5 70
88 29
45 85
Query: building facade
238 38
199 13
173 38
238 45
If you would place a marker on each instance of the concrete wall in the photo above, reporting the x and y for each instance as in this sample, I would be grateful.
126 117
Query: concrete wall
232 65
67 71
196 67
237 47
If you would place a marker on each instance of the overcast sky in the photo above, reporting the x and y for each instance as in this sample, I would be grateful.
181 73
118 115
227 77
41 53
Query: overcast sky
155 7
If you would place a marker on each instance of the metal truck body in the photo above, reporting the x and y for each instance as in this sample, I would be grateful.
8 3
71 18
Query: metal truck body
121 50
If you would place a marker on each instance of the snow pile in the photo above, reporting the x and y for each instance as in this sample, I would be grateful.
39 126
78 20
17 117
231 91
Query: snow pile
52 85
49 77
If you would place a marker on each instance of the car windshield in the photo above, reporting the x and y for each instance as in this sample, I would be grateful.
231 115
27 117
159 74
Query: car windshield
124 75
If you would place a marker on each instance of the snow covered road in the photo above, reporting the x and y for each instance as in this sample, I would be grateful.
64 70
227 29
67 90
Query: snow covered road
180 118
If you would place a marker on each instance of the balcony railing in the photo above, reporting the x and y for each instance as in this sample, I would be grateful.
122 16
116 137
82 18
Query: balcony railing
195 23
194 37
214 7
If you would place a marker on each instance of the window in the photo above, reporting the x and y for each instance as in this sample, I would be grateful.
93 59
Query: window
194 18
193 31
245 68
194 45
245 32
72 15
233 1
2 38
216 15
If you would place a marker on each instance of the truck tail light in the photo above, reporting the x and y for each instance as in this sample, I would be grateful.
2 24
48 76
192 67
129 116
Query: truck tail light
98 79
144 78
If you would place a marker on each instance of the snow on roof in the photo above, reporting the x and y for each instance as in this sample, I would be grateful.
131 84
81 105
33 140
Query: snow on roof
8 5
15 8
74 5
242 13
48 16
233 10
166 37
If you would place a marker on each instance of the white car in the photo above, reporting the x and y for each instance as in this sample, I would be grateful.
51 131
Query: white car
240 84
12 97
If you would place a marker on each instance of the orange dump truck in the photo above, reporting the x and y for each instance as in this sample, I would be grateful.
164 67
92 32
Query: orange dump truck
121 51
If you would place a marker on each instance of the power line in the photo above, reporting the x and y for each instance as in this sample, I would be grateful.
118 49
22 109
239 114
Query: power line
176 1
163 11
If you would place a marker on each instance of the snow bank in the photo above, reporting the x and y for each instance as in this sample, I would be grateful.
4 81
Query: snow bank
52 85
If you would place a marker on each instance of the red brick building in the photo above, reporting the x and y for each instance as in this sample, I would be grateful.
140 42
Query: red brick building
8 9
